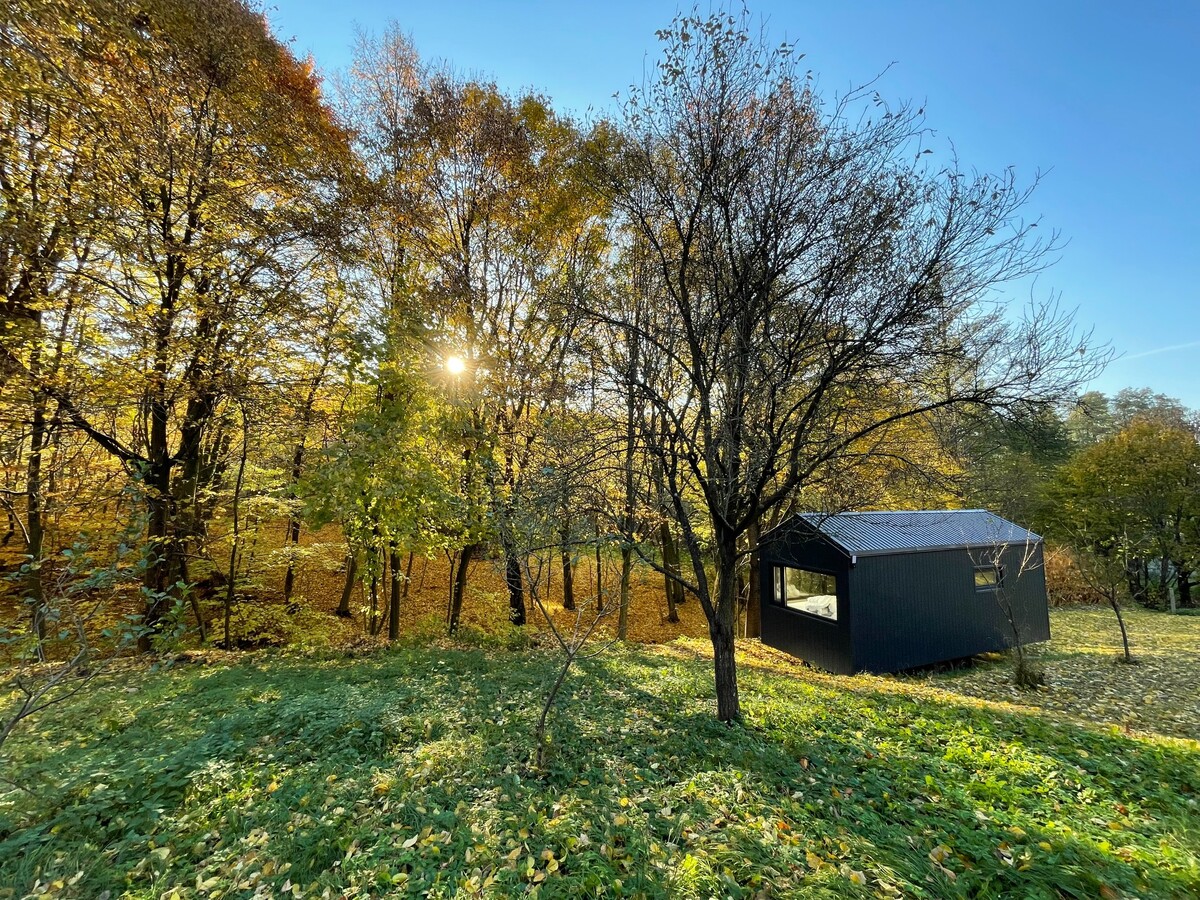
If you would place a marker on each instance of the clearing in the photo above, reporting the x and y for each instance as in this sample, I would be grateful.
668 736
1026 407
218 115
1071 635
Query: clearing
405 772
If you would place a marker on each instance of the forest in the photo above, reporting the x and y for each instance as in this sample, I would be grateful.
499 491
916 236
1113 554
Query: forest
276 347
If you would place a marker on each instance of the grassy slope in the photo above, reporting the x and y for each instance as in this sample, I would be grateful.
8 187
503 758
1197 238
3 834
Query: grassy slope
405 772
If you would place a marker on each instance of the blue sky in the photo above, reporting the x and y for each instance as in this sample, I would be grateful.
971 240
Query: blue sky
1100 97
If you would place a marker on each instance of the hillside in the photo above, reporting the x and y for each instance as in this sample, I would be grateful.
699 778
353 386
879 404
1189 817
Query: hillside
405 773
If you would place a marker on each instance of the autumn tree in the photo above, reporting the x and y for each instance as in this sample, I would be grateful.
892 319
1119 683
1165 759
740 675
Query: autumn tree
216 160
500 229
52 109
1133 497
821 281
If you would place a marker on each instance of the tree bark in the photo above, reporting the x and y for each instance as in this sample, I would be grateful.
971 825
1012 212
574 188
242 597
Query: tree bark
293 527
343 609
33 522
623 612
394 594
460 585
754 592
670 556
568 570
374 625
721 632
599 574
516 586
1116 606
158 535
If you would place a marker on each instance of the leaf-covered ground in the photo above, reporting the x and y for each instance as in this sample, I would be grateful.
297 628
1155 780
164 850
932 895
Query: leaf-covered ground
404 773
1085 681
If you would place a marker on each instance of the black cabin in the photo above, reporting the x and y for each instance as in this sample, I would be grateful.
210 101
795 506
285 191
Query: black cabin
886 591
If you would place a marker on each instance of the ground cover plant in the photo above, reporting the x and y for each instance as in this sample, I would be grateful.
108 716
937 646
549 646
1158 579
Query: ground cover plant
405 772
1088 681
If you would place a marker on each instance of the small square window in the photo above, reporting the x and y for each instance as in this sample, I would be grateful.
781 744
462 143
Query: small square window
988 578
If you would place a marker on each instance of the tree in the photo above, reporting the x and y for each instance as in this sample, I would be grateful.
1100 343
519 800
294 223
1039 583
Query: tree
1008 460
52 106
1136 495
818 283
216 161
499 226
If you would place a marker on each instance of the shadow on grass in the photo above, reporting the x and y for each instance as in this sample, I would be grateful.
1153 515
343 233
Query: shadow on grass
407 772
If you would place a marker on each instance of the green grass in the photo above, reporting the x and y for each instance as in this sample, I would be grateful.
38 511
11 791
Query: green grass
1087 684
405 773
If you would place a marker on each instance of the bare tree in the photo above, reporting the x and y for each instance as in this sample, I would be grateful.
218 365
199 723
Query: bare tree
818 282
999 569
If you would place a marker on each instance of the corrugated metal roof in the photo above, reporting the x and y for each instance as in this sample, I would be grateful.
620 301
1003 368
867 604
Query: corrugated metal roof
878 533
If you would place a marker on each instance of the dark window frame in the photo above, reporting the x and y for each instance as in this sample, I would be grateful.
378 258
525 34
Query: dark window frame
993 585
778 596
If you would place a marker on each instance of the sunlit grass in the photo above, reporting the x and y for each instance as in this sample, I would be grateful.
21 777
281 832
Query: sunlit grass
1088 683
406 773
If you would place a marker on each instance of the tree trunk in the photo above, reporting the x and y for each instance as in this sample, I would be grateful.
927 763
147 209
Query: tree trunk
516 586
12 527
289 577
237 533
394 595
374 625
599 574
460 585
721 631
1116 606
754 592
158 534
670 557
568 569
343 609
623 612
34 527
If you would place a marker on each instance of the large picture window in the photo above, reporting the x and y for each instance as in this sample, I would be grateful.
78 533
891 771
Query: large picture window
809 592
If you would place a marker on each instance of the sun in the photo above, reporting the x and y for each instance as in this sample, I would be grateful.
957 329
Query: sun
455 365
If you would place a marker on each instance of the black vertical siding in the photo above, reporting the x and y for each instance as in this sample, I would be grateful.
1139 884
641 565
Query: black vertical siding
903 610
913 609
818 641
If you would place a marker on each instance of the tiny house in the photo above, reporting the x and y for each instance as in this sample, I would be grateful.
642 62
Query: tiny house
886 591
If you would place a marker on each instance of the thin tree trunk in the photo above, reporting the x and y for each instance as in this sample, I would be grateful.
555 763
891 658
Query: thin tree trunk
343 609
540 732
568 570
237 535
670 558
460 585
754 592
306 417
398 581
33 523
289 577
599 573
632 341
1116 607
623 611
12 526
374 624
